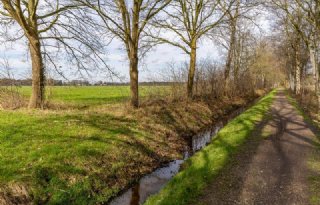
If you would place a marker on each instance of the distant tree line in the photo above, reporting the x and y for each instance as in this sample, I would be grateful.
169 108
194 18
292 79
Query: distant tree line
13 82
53 82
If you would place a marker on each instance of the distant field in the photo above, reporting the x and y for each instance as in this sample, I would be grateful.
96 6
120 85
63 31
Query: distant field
93 95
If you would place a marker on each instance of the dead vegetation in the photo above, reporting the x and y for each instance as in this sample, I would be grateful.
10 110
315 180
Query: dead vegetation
10 98
308 103
13 194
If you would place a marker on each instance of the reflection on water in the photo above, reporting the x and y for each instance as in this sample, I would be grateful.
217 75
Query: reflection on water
152 183
148 185
200 141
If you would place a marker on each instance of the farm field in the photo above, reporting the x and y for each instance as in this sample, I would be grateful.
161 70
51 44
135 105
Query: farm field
93 95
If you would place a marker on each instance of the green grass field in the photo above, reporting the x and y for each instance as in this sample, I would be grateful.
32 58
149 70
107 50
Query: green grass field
93 95
68 154
61 154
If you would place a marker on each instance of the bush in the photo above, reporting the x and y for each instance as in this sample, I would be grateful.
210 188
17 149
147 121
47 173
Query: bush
10 98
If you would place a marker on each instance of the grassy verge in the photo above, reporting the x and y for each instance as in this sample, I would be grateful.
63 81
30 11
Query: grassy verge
206 164
295 104
314 160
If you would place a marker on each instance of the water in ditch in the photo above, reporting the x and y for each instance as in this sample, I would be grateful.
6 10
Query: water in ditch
152 183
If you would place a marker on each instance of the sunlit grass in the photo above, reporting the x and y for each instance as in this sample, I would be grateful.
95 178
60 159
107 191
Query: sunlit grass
206 164
61 154
93 95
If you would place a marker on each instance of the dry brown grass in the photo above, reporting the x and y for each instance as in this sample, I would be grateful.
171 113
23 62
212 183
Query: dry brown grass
14 194
10 98
308 103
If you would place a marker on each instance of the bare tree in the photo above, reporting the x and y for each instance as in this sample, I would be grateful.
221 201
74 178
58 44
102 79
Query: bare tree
128 21
303 17
233 17
240 53
50 27
239 16
187 22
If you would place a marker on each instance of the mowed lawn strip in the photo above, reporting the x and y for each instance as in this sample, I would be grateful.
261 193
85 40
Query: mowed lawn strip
206 164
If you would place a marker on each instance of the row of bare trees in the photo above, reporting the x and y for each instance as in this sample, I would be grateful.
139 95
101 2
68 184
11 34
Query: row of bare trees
299 34
259 66
78 32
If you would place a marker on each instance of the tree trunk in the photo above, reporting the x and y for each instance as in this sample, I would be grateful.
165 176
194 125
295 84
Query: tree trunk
232 47
264 81
192 69
132 48
229 59
314 68
227 72
292 82
318 95
237 64
134 80
38 77
298 75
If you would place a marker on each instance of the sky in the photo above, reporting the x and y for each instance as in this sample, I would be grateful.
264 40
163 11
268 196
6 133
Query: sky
150 69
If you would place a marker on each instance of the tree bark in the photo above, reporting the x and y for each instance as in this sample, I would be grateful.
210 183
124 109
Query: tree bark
192 69
38 76
134 80
232 47
227 70
291 82
132 48
264 81
229 58
297 74
318 94
314 68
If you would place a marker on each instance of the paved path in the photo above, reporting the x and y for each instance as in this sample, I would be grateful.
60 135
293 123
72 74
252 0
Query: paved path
272 170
